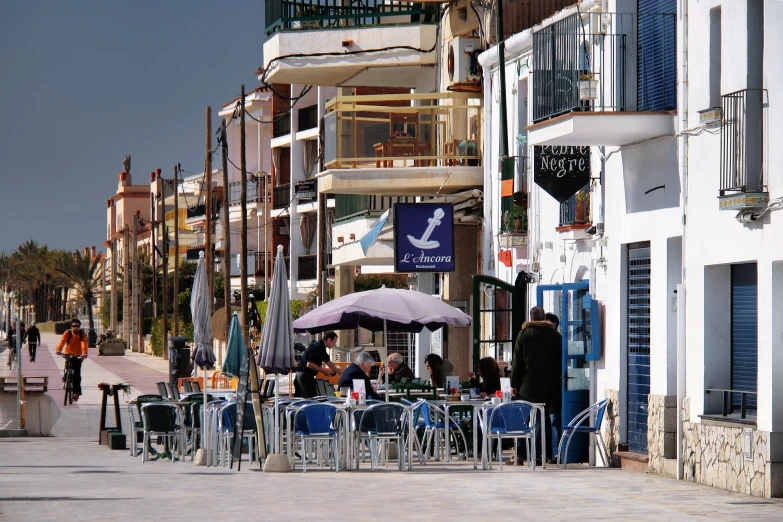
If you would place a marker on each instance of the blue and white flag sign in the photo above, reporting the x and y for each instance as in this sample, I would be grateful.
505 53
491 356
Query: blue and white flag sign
423 237
371 236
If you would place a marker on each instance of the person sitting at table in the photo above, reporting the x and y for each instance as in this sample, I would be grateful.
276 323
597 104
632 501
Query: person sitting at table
437 368
397 369
359 369
489 371
311 364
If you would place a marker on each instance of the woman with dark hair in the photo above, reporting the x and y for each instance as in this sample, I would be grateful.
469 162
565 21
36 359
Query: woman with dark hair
434 365
489 371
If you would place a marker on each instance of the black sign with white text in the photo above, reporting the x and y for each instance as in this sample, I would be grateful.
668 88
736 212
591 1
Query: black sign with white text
305 189
561 170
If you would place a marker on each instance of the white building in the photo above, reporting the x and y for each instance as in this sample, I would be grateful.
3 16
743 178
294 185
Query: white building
648 220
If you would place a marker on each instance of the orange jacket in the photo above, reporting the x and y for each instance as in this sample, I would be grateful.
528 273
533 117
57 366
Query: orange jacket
75 345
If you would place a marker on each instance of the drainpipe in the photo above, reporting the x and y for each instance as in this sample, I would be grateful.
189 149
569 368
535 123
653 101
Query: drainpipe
681 339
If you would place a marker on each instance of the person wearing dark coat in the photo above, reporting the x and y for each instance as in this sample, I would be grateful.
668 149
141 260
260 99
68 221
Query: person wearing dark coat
535 353
397 369
489 371
359 369
556 404
311 364
33 340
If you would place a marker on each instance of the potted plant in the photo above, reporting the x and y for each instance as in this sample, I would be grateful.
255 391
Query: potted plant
306 11
467 147
520 213
588 86
582 207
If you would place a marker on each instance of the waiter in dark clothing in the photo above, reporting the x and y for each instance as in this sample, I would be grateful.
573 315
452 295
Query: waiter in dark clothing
313 358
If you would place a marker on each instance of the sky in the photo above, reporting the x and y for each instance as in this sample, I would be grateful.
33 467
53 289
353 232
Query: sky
85 82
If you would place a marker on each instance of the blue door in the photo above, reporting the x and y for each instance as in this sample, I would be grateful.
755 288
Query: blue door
744 332
638 355
656 66
580 330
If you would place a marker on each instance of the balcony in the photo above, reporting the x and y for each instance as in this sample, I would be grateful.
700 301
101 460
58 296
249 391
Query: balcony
319 27
308 267
604 79
402 144
254 193
261 262
308 118
281 197
281 126
347 206
742 176
575 212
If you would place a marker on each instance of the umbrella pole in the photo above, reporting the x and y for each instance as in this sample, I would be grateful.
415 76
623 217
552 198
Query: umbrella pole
386 362
277 413
204 412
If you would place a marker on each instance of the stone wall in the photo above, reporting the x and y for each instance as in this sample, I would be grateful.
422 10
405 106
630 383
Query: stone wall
662 434
611 429
713 455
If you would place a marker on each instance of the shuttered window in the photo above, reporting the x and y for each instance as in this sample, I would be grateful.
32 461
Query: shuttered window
744 332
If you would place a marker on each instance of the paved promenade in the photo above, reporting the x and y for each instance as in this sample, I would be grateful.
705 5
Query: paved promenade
70 476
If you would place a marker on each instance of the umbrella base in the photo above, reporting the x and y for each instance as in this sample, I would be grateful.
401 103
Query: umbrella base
276 463
201 457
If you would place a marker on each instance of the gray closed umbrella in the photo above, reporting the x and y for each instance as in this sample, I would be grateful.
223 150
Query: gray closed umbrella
202 326
276 353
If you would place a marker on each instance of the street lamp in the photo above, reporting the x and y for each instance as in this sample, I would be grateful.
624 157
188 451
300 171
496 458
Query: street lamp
19 384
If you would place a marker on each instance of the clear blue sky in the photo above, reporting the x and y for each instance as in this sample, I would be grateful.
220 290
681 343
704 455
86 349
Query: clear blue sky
85 82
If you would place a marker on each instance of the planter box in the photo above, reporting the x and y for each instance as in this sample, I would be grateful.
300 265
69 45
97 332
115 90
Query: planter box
588 89
113 348
305 24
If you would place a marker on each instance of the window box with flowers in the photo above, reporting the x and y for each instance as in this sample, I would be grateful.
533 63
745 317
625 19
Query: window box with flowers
588 86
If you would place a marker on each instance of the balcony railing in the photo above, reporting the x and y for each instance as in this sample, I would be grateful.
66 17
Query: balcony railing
576 209
316 14
308 118
197 211
308 267
403 130
605 62
261 257
281 126
282 196
742 142
353 205
254 192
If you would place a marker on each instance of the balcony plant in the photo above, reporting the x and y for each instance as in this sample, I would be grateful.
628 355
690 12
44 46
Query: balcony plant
588 86
582 207
520 213
306 11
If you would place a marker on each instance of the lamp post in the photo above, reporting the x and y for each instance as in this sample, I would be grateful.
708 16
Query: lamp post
12 298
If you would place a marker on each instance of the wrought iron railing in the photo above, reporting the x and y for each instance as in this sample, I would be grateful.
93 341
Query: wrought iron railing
316 14
743 400
353 205
742 142
282 196
576 209
630 58
197 211
308 267
308 118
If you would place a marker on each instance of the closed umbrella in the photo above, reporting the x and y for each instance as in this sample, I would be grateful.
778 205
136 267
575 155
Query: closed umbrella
202 326
276 353
234 348
387 309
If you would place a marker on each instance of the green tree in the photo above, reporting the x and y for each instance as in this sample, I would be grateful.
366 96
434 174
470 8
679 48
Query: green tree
84 275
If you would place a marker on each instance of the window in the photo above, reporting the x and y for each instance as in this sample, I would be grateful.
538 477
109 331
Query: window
715 57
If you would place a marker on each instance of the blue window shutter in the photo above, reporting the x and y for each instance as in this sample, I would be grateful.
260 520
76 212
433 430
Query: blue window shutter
744 332
594 354
656 55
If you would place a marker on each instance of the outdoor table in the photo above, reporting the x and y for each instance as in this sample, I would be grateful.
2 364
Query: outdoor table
348 432
113 390
482 409
446 404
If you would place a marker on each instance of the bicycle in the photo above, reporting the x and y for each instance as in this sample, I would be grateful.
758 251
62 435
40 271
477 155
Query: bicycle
12 362
68 380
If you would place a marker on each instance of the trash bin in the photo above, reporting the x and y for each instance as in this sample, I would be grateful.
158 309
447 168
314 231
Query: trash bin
179 359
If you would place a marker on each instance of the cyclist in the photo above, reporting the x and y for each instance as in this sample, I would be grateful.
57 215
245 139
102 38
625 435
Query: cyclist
74 343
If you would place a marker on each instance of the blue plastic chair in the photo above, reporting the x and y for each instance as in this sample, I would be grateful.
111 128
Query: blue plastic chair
513 420
575 426
381 422
318 423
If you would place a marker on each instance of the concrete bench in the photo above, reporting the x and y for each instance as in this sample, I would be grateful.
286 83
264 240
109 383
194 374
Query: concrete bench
108 348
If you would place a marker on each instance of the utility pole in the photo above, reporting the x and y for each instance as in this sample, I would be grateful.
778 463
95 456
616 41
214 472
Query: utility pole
154 177
243 211
126 277
226 229
135 285
165 255
114 286
208 211
176 250
103 288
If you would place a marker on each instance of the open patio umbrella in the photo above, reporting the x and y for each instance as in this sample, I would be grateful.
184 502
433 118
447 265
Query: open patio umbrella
234 348
387 309
276 353
202 325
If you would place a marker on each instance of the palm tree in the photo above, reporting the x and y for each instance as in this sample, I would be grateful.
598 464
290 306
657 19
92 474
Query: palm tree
83 273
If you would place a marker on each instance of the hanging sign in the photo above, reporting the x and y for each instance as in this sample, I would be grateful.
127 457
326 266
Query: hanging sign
561 171
304 189
423 237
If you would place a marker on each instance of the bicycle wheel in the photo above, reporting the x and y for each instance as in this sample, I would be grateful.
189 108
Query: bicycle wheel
68 398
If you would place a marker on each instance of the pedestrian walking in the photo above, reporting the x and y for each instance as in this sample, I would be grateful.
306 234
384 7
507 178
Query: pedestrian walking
556 404
532 365
33 340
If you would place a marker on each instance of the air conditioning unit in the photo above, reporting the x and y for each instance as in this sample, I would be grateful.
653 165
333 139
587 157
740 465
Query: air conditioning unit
463 67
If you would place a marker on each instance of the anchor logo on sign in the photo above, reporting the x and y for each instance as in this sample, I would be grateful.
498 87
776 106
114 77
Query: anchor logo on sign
424 242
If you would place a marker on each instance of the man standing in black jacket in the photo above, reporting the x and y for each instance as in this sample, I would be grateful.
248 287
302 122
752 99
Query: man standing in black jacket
532 372
311 363
33 340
